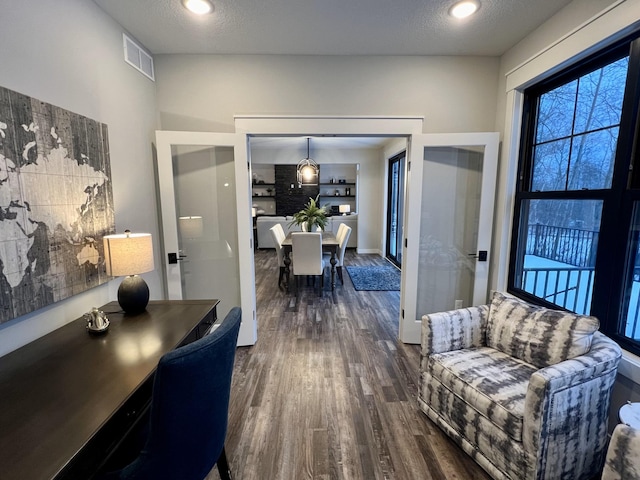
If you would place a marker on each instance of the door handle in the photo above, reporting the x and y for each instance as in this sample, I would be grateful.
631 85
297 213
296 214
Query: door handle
173 258
481 256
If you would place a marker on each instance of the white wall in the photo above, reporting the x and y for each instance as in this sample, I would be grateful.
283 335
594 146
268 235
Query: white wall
69 53
204 92
453 94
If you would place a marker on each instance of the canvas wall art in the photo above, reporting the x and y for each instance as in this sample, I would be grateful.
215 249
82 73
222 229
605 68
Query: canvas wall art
56 203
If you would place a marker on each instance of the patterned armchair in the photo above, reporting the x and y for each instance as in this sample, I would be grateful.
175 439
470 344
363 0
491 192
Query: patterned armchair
524 390
623 454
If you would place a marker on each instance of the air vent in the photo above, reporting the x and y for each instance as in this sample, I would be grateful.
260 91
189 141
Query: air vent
135 56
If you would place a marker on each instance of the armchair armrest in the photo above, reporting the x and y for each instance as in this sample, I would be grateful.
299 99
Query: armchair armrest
576 391
454 330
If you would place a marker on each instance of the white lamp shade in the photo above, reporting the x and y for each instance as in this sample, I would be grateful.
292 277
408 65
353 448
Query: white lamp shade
128 254
345 208
191 227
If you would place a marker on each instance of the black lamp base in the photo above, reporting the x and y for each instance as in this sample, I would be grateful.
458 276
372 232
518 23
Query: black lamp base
133 294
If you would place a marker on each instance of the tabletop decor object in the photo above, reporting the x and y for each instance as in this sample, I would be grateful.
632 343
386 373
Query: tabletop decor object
97 321
130 254
312 215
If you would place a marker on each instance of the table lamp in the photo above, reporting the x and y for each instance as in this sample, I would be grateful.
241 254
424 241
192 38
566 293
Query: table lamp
344 209
128 255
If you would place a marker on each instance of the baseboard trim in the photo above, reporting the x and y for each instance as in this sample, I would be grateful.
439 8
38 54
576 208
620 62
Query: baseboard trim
368 251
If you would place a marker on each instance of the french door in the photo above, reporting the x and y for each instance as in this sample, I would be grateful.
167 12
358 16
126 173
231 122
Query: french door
395 208
448 225
448 214
203 183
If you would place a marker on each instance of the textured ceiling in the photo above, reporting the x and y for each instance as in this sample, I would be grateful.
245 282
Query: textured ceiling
330 27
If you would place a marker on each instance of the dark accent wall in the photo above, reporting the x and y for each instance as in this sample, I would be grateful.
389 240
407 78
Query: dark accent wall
291 200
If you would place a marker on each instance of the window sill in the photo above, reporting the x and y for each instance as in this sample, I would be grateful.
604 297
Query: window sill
630 366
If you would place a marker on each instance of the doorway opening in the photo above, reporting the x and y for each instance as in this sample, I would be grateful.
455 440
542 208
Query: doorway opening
352 183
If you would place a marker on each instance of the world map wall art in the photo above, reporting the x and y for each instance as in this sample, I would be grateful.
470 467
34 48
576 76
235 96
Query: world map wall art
56 204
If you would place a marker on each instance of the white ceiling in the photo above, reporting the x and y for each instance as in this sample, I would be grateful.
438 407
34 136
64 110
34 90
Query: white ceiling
330 27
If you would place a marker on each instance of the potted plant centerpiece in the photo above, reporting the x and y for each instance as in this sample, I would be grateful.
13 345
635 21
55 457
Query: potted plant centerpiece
312 215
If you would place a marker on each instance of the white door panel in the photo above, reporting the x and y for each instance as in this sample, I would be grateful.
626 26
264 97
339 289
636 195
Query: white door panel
448 225
206 221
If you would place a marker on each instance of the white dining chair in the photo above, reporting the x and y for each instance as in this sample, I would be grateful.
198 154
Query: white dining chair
343 239
278 237
307 250
340 232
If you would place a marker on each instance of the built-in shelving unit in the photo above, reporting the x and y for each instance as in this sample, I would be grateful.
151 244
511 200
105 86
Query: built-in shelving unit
263 189
338 185
274 188
338 190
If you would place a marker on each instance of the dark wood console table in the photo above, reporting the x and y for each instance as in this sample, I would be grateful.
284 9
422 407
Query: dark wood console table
67 398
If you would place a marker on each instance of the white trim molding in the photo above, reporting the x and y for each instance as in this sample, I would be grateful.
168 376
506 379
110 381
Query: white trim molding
611 24
630 366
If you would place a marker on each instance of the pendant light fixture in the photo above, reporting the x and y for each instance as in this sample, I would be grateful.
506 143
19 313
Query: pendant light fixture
307 170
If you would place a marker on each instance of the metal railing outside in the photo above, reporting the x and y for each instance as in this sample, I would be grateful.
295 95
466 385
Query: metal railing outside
569 287
572 246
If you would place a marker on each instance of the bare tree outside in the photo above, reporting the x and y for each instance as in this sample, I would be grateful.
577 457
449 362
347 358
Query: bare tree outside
574 146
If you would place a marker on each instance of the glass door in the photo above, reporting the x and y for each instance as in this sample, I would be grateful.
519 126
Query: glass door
451 190
395 209
206 221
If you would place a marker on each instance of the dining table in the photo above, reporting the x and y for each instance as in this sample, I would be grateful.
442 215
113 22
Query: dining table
330 244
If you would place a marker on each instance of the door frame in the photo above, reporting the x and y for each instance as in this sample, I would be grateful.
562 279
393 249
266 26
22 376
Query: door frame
169 232
383 126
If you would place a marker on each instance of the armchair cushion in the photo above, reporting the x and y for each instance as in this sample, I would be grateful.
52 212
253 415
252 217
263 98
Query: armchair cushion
537 335
492 382
454 330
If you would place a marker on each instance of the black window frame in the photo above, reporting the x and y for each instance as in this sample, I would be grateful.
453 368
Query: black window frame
611 262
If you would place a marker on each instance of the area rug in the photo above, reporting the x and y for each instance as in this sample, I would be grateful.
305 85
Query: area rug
379 277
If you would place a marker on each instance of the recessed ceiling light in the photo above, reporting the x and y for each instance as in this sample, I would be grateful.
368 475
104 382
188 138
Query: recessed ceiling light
199 7
464 9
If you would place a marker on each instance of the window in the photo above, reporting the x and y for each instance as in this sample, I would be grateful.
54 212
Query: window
576 238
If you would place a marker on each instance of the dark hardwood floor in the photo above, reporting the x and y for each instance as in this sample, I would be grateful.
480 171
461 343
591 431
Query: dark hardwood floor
328 392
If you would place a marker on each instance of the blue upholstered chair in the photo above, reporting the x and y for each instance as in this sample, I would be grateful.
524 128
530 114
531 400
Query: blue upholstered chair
189 409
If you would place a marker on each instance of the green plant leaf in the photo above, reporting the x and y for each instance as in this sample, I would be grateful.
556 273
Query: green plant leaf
312 215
